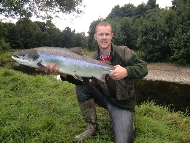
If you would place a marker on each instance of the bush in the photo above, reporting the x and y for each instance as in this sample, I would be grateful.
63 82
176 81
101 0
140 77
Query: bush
4 46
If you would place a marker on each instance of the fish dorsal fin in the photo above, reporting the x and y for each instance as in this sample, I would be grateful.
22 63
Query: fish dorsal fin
42 67
77 50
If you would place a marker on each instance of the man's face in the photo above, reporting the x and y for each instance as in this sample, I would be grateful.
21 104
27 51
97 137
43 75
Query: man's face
103 36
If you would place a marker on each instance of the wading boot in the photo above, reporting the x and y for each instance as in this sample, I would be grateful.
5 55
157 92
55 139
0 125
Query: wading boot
89 113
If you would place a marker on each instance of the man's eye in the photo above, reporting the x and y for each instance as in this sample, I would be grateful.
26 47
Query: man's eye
100 34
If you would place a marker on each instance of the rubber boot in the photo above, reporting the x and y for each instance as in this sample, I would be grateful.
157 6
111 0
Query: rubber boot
89 113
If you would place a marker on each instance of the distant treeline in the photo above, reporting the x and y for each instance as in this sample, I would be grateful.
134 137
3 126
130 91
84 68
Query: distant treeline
157 34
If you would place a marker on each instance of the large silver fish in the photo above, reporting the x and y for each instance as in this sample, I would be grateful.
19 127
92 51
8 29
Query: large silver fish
69 62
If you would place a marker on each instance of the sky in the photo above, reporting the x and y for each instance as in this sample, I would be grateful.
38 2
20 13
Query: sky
93 10
96 9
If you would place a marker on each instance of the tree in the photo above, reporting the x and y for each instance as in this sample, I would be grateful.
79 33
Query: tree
26 30
125 11
180 42
38 38
177 3
3 45
39 8
67 38
152 4
54 34
152 40
80 40
12 36
42 25
140 10
45 38
129 31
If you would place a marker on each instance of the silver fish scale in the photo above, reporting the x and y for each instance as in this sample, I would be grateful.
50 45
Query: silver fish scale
73 66
68 53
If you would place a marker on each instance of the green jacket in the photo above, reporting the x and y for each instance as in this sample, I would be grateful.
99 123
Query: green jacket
121 92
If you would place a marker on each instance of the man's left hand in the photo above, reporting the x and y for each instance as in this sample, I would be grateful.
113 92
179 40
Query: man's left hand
119 73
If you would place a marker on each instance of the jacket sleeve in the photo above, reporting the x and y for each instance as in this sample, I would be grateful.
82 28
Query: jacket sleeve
136 67
72 80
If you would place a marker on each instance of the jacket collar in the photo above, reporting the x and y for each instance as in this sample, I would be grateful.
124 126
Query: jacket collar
96 54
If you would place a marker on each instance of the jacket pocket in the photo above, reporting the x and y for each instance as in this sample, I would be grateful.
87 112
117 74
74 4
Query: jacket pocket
125 89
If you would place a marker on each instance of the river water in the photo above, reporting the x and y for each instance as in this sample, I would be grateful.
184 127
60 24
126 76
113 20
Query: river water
174 95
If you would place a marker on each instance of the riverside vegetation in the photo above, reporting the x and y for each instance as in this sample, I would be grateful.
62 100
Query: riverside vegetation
39 108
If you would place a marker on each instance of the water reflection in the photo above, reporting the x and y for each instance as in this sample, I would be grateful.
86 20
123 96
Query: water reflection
177 96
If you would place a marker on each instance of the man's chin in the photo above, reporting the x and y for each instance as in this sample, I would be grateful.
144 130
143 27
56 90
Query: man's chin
104 46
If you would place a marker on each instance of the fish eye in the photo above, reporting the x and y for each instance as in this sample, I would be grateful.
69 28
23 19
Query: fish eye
34 57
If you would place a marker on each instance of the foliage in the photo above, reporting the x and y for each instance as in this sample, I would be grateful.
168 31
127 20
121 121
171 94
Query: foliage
125 11
129 29
12 36
27 34
67 38
180 44
38 8
26 29
3 45
153 40
32 111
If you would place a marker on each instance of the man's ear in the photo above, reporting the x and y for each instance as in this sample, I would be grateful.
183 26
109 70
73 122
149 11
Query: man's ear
95 36
111 35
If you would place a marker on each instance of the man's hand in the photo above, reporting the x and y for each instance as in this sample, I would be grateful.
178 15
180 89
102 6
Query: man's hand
118 73
53 70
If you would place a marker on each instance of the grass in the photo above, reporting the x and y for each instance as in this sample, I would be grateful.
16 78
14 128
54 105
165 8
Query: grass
86 52
42 109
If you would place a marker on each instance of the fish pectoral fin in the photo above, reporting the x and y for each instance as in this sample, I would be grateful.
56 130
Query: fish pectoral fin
40 66
101 77
77 77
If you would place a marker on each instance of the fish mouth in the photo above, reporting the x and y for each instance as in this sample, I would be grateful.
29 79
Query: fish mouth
15 56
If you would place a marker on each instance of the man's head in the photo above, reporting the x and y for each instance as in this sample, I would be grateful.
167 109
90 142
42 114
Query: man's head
103 35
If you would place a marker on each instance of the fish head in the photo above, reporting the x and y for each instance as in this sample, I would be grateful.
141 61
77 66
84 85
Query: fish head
27 57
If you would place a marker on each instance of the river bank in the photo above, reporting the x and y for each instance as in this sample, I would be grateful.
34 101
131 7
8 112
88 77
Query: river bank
168 73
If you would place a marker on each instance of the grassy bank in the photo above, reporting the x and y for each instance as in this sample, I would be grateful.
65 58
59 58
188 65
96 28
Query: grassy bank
43 109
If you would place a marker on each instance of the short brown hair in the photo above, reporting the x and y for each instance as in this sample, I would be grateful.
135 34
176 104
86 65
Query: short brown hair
103 24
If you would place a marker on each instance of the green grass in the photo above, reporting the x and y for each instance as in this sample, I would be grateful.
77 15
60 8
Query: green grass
5 57
86 52
42 109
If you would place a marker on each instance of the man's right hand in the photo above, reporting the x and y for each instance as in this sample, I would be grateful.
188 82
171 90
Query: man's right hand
53 70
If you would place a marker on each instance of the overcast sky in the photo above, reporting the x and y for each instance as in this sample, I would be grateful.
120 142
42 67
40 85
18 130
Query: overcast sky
98 8
95 9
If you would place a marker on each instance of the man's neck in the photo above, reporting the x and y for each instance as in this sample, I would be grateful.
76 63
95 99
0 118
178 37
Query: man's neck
105 52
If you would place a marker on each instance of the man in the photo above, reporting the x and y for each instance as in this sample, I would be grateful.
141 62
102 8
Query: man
116 94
